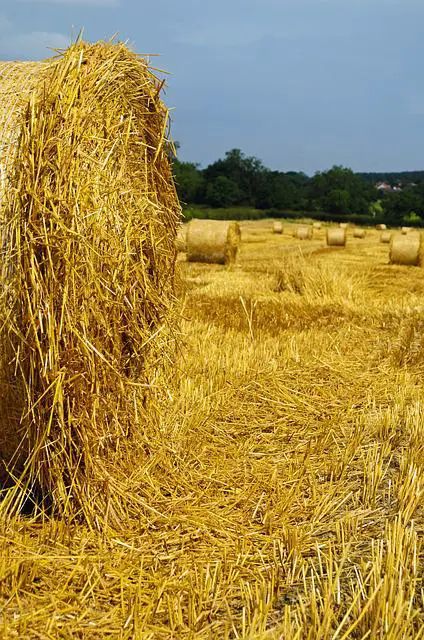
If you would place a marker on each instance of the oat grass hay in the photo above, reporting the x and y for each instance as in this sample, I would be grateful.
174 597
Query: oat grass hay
406 250
213 241
277 227
89 226
336 237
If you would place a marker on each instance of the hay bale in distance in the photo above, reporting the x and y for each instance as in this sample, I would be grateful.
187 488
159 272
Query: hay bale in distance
385 237
404 230
381 227
213 241
405 251
277 226
303 233
316 225
336 237
359 233
343 225
91 215
181 239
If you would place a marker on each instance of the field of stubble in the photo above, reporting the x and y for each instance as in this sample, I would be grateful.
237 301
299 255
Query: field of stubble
283 492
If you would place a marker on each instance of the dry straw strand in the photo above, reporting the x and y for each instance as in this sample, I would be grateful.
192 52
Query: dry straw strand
336 237
213 241
90 221
181 239
406 250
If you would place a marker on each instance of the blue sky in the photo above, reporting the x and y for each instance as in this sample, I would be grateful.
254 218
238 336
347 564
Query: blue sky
301 84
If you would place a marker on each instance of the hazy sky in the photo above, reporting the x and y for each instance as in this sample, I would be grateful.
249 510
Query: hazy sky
301 84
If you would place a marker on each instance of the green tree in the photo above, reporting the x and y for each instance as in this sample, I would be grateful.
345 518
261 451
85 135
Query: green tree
189 181
222 192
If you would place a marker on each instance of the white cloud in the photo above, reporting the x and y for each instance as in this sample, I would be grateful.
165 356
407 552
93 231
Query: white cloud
34 45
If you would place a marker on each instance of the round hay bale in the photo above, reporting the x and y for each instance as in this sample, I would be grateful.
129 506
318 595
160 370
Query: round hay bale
404 230
213 241
405 251
303 233
181 240
277 226
381 227
343 225
336 237
90 218
385 237
359 233
316 225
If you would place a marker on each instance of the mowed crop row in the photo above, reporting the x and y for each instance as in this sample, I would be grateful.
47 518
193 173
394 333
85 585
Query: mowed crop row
280 496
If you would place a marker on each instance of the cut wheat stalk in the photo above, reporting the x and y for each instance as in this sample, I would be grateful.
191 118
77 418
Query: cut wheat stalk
213 241
89 226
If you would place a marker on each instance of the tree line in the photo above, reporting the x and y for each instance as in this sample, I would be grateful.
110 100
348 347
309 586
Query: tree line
238 180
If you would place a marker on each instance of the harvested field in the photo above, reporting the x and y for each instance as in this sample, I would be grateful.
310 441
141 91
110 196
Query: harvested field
280 497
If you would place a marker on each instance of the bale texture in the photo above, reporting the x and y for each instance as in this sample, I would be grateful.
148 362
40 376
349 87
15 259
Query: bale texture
181 239
316 225
277 227
89 227
381 227
385 237
303 233
336 237
406 251
359 233
213 241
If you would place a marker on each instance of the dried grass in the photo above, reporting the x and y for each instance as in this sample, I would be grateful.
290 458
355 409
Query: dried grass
212 241
90 221
336 237
303 233
359 233
386 237
406 250
181 239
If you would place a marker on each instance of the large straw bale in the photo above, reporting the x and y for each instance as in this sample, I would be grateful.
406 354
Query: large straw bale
181 239
385 237
359 233
336 237
277 226
303 233
406 250
213 241
89 226
381 227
